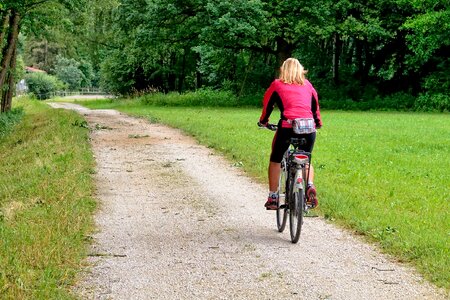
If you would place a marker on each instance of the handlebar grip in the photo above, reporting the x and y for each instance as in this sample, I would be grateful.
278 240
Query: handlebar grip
269 126
272 127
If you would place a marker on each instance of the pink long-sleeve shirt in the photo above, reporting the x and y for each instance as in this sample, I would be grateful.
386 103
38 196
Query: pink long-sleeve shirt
293 100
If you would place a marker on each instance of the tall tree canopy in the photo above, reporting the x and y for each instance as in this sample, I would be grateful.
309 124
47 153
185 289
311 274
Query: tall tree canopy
355 46
356 49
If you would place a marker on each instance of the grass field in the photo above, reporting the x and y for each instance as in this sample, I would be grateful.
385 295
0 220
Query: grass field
385 175
45 203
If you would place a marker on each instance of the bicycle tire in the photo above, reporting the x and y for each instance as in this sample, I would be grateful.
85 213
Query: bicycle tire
296 204
282 209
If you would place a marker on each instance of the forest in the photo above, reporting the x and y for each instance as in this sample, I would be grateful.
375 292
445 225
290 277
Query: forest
382 53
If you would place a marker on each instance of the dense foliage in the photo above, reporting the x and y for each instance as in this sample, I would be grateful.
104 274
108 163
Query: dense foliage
355 51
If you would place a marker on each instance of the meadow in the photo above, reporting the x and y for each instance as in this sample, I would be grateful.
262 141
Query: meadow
383 175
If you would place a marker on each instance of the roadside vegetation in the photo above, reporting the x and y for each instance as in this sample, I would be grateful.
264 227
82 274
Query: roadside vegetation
46 202
382 174
9 119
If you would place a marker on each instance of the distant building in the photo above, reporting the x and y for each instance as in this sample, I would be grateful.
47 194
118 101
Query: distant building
21 87
34 70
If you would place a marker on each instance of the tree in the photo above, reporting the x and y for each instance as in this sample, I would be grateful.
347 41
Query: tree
75 74
428 40
33 16
8 63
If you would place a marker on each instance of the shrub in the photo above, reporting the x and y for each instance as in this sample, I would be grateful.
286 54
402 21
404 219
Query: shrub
253 100
42 85
398 101
201 97
433 102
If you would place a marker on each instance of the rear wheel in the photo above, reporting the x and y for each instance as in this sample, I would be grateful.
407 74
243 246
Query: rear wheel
296 203
282 207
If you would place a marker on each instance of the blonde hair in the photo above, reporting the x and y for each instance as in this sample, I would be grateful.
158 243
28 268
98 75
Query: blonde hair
292 72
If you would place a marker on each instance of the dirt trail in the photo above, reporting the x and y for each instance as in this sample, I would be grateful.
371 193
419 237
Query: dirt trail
176 221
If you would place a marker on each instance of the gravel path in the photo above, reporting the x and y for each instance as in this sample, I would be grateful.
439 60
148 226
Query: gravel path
177 221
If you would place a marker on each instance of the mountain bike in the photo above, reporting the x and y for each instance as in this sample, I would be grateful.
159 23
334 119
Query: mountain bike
292 187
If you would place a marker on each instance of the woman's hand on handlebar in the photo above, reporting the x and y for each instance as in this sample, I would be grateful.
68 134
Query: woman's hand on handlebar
269 126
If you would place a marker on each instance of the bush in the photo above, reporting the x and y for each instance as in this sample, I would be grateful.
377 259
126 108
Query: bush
9 119
253 100
42 85
201 97
398 101
433 102
212 98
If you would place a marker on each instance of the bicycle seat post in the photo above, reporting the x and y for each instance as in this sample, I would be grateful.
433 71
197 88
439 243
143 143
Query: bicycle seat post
297 142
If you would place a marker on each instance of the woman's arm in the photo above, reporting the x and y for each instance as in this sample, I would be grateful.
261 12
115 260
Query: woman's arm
315 108
270 98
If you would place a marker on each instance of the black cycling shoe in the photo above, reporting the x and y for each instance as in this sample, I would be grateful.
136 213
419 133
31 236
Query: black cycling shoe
272 203
311 196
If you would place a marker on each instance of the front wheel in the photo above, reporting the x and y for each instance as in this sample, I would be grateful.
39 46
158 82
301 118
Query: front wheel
282 200
296 203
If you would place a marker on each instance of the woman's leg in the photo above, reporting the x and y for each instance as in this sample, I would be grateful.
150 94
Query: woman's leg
274 175
311 173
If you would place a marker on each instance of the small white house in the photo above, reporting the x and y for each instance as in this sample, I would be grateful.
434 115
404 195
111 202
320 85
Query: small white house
21 87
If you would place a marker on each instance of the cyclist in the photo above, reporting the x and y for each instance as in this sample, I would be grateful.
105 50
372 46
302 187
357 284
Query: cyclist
296 98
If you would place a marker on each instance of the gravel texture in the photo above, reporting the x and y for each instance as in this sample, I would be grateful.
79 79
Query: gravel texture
177 221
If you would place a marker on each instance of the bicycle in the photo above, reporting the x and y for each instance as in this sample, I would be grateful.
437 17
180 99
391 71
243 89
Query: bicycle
292 187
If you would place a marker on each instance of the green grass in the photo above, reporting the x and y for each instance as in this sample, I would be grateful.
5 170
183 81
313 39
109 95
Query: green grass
9 119
45 203
385 175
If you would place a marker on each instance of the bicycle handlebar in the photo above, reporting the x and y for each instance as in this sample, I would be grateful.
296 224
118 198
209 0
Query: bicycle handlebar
269 126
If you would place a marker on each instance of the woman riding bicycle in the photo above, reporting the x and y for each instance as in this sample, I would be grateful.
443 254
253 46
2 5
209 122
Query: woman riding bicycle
297 99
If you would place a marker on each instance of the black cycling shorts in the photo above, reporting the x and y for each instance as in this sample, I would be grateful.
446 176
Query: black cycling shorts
281 142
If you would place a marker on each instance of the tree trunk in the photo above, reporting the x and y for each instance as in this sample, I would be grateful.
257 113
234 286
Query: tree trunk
248 69
198 80
4 28
171 76
10 48
7 97
359 61
337 46
46 53
198 75
284 50
183 72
